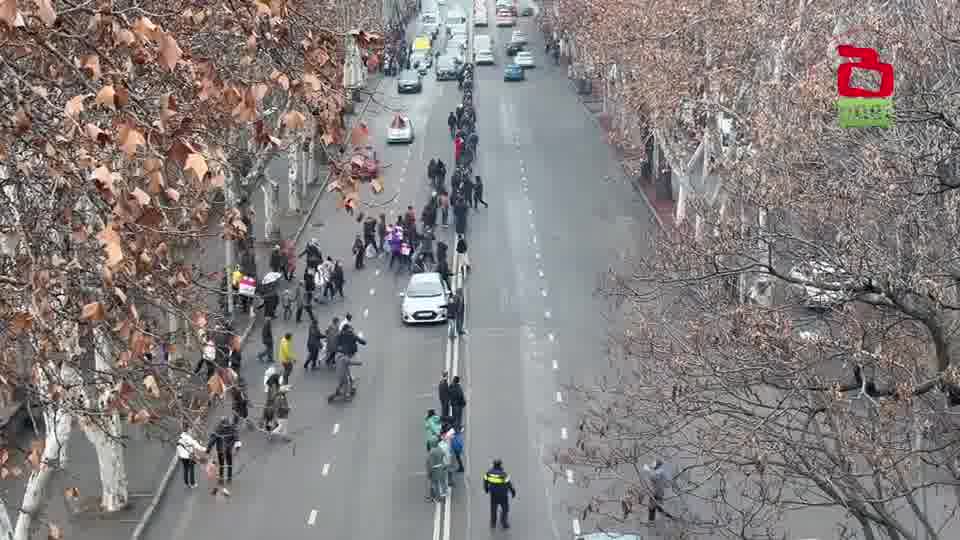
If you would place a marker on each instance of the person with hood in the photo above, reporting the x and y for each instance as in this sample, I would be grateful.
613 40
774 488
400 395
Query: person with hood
457 402
464 257
457 149
437 472
333 331
287 358
452 123
431 426
266 337
478 194
338 279
432 170
226 441
314 344
187 449
443 393
282 408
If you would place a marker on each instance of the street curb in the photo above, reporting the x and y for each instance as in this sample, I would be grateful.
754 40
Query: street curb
633 184
323 186
168 475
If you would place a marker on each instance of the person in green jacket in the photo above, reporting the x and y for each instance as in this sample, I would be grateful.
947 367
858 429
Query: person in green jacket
431 425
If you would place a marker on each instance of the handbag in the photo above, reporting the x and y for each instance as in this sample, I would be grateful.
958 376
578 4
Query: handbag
371 251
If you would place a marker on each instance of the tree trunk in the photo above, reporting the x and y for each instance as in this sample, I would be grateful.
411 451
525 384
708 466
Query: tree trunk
106 434
271 209
304 170
312 177
58 423
295 205
230 194
6 528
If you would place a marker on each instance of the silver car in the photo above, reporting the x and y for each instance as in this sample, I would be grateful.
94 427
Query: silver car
400 130
525 60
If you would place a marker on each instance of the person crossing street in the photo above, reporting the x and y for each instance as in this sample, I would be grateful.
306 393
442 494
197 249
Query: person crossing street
496 483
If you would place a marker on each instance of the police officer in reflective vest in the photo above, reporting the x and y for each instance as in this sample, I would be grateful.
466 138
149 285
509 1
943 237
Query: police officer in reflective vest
497 483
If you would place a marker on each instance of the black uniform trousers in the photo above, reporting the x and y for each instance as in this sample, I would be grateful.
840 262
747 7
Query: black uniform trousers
504 504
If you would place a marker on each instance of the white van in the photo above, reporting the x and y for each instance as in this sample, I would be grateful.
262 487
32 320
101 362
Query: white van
456 21
483 50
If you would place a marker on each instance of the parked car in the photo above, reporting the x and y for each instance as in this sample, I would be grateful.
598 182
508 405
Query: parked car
484 58
513 48
505 18
424 299
519 36
513 72
525 60
820 272
409 81
400 130
456 52
480 18
421 61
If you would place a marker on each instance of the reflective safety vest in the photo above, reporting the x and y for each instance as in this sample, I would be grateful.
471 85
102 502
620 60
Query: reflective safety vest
496 478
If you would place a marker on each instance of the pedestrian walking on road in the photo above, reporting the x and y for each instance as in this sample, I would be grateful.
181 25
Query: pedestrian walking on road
241 403
282 408
659 477
187 449
464 257
457 446
457 149
443 268
287 300
271 387
455 317
457 402
313 253
431 426
437 472
326 275
333 331
266 337
224 438
304 300
444 207
314 344
496 482
287 359
432 170
381 232
441 173
478 194
460 214
444 445
358 253
443 393
338 279
208 359
369 232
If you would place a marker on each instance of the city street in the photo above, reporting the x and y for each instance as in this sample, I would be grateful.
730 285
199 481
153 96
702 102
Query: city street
356 470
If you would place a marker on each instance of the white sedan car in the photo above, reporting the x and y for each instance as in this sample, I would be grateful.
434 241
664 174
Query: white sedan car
524 59
400 130
425 299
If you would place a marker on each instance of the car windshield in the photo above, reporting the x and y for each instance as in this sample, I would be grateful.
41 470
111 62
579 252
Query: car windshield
446 62
424 289
408 76
523 54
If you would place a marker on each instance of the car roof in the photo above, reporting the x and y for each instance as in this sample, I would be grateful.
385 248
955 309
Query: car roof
425 277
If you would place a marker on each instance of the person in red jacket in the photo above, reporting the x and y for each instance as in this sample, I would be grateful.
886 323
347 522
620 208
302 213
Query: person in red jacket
457 148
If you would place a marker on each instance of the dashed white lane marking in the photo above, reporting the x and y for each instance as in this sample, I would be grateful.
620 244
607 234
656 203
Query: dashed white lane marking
312 518
551 337
401 179
372 292
559 397
576 527
523 178
569 476
546 314
326 469
530 211
556 366
532 225
534 239
563 433
376 272
366 313
540 272
543 293
403 170
336 429
537 256
524 188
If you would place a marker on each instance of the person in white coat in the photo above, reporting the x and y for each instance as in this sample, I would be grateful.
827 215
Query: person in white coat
187 450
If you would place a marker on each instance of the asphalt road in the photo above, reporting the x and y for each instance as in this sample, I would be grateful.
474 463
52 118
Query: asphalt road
356 470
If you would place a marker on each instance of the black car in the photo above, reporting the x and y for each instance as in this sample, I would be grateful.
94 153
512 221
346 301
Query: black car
527 12
409 81
514 48
421 62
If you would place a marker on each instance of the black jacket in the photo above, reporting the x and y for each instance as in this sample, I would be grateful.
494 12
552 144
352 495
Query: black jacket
347 341
224 437
277 261
443 391
461 245
267 334
315 338
497 483
457 399
454 308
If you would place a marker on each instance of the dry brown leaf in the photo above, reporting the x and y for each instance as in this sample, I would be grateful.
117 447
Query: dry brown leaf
21 121
131 139
112 245
142 417
282 80
150 383
20 322
377 185
95 133
321 57
141 196
125 37
211 470
8 12
120 294
46 12
106 97
91 65
152 169
313 81
4 456
215 385
217 180
94 311
198 320
170 52
294 120
71 493
197 165
172 194
35 455
75 105
54 532
145 28
104 179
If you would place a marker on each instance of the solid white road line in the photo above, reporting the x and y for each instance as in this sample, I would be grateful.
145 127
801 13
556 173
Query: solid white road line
537 256
530 211
312 518
372 292
576 527
540 272
366 313
436 521
376 272
326 469
569 476
546 314
563 433
543 293
336 429
447 503
559 397
534 239
556 366
551 337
